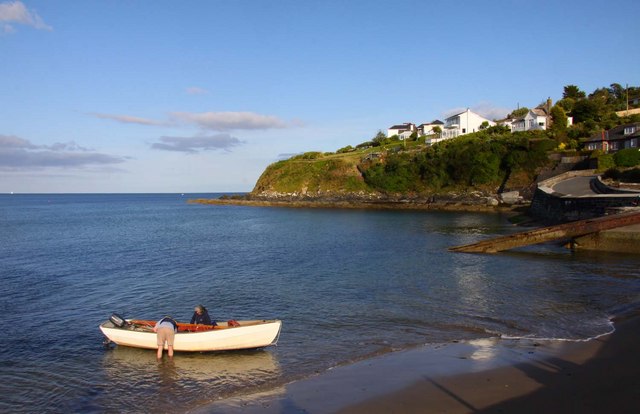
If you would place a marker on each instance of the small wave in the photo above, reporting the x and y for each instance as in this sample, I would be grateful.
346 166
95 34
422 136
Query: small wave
561 339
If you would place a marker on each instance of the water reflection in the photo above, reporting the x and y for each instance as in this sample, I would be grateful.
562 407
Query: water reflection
188 379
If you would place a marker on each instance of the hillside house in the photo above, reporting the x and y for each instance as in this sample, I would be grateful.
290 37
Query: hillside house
615 139
402 130
535 119
460 124
427 129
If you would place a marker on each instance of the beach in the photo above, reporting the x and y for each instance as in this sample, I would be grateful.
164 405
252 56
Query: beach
599 375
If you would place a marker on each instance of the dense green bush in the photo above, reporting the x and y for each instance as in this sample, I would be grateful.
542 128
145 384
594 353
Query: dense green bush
627 176
605 162
612 174
343 150
631 176
482 158
629 157
397 175
313 155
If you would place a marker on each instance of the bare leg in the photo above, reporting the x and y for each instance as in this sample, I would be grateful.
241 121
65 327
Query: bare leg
170 352
160 352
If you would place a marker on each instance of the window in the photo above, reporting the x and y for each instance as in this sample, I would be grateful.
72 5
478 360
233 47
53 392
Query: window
629 130
633 143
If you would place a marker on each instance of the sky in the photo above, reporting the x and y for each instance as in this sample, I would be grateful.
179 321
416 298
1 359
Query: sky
201 96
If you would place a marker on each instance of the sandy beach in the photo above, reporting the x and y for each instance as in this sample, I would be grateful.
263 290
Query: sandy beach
482 376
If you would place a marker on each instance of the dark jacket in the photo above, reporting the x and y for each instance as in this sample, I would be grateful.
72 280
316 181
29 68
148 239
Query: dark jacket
203 319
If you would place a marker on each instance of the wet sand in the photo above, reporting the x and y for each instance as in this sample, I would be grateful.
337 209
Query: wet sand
601 375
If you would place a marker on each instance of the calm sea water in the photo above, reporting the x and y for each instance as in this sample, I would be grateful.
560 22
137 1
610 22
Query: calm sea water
347 284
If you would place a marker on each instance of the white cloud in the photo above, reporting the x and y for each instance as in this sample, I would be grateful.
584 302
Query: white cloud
16 12
225 121
194 90
212 121
127 119
20 154
486 109
490 111
197 143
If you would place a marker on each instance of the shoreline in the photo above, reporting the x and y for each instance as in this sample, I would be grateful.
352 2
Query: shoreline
598 375
460 206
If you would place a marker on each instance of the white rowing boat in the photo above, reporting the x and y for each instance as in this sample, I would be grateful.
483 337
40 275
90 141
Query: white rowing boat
248 334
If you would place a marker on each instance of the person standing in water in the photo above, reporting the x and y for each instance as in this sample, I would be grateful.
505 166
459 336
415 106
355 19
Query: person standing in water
165 329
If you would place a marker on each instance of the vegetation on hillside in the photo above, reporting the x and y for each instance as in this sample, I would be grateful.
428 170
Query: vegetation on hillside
596 111
493 158
483 159
311 172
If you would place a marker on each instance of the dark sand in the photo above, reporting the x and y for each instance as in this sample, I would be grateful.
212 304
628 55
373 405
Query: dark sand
601 375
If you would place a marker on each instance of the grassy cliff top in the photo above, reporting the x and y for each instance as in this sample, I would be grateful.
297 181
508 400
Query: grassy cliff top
475 161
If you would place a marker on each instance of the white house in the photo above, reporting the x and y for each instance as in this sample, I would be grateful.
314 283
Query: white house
538 118
460 124
535 119
427 129
402 130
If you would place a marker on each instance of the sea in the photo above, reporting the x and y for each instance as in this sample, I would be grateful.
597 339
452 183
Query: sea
347 284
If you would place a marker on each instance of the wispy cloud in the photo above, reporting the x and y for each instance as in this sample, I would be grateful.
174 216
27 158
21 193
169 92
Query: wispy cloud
490 111
20 154
486 109
197 143
211 121
128 119
226 121
15 12
194 90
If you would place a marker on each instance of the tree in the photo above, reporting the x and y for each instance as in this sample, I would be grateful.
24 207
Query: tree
585 110
380 136
573 92
620 95
437 130
517 113
484 125
567 104
558 119
558 125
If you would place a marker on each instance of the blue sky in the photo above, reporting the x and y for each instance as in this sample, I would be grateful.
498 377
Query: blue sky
200 96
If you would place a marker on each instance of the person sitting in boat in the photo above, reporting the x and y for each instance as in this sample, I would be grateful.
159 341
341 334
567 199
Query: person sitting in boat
201 316
165 329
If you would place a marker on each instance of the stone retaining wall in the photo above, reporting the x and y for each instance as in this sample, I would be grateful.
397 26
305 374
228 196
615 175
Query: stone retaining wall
554 207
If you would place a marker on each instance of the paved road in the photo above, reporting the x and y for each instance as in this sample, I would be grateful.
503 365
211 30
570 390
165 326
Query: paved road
577 187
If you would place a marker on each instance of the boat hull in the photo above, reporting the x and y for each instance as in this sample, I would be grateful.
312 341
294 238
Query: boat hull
249 335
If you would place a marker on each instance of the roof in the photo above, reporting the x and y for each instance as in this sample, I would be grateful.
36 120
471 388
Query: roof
539 111
401 126
436 122
616 133
458 114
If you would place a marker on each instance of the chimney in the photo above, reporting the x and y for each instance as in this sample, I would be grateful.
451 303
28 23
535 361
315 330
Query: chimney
549 105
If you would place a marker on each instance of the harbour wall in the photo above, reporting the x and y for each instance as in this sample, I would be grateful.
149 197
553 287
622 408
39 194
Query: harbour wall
553 207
